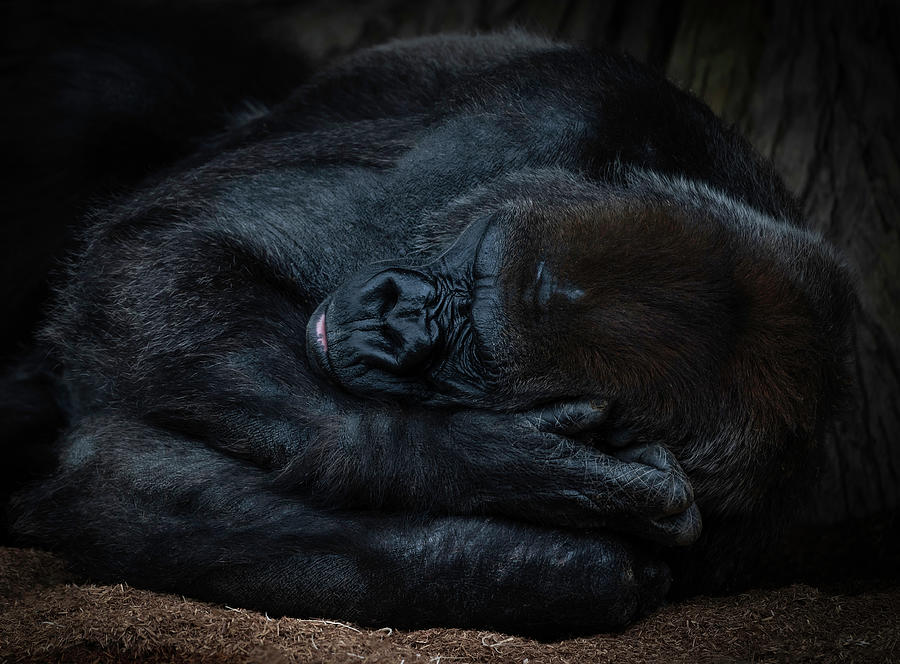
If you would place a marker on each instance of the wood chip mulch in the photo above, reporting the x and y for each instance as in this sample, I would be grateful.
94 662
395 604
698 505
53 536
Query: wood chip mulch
45 617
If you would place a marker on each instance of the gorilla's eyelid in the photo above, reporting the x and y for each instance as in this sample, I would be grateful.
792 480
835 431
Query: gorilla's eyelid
547 285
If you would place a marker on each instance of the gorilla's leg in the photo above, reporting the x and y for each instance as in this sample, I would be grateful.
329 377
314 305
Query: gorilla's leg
137 503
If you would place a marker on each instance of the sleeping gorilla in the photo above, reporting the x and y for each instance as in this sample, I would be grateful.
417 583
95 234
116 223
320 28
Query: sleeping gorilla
423 344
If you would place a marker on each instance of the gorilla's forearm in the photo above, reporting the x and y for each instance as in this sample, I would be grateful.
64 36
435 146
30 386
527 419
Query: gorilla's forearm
524 466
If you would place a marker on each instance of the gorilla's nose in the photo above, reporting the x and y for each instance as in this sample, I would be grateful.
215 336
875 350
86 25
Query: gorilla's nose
404 335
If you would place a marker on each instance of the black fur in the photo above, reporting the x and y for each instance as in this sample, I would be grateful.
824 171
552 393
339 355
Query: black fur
470 471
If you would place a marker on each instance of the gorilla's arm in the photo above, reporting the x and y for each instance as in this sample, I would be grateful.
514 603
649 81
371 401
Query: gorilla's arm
136 503
533 466
539 466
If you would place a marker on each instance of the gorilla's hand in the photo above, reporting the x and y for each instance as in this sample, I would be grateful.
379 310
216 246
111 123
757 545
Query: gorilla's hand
645 480
536 466
639 488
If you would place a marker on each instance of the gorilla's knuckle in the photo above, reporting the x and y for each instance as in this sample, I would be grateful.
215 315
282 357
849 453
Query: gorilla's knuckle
652 455
680 529
678 493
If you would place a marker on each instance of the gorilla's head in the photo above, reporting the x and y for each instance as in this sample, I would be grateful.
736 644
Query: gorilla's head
609 293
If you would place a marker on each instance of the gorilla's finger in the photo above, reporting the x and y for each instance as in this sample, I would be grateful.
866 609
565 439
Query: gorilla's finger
678 530
669 489
570 418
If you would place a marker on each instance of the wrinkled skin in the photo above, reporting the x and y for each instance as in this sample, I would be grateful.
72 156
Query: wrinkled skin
440 341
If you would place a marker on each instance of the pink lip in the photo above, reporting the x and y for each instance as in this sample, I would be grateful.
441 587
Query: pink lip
320 332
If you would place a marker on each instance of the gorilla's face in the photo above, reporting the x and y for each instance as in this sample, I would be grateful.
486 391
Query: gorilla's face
421 334
530 305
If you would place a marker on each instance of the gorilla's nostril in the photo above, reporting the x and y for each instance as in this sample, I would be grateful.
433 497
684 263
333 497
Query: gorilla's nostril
391 289
403 337
415 353
410 341
392 337
388 296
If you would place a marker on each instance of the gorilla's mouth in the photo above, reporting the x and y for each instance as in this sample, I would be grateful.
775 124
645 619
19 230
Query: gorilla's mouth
321 337
317 341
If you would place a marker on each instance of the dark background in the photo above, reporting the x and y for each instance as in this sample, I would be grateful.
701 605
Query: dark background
813 85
